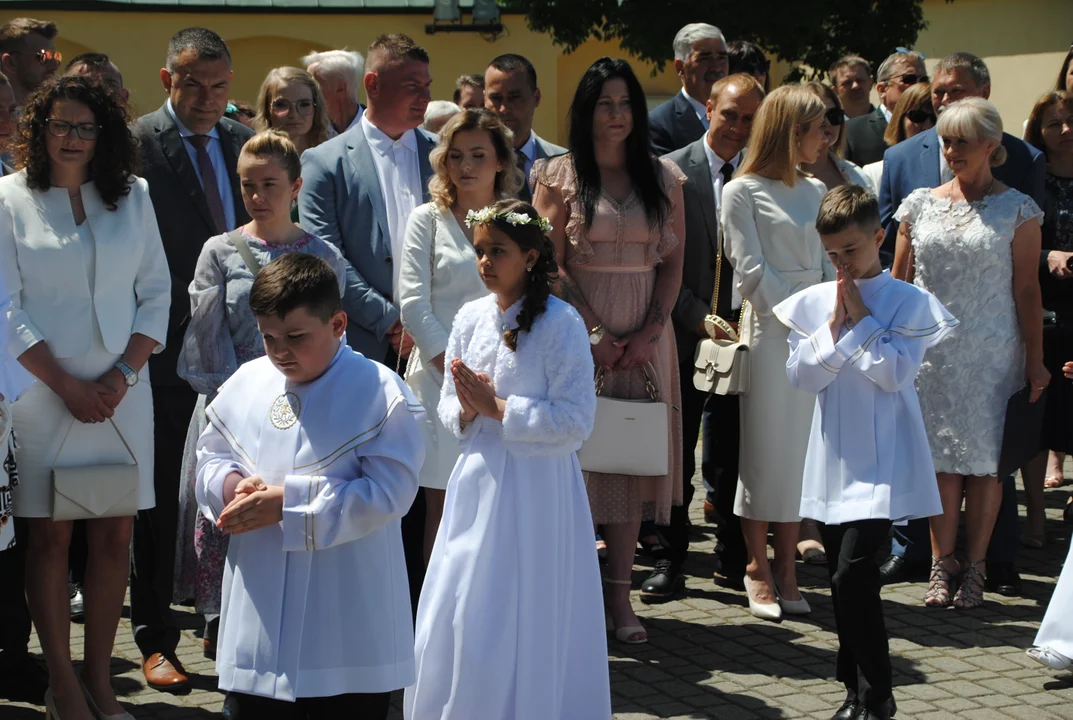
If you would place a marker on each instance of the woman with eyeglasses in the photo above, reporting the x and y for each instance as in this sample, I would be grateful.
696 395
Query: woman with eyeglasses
90 289
831 168
912 115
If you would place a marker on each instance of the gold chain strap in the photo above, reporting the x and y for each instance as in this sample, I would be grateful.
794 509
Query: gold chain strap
650 385
715 297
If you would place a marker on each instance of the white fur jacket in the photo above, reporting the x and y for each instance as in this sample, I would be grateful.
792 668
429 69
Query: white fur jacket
547 384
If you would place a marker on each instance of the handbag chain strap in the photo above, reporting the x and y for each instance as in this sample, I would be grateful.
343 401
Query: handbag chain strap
723 324
68 434
650 385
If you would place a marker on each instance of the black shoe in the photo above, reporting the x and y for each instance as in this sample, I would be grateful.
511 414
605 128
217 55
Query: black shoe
884 711
850 709
664 583
1003 578
23 680
729 574
893 571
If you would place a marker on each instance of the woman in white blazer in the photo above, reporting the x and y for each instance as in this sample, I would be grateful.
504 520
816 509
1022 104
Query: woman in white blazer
82 259
474 167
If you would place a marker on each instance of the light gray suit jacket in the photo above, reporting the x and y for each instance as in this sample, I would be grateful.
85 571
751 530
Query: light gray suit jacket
341 201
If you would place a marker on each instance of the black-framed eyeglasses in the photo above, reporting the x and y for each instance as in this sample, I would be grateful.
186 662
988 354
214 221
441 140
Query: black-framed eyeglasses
62 128
910 78
43 56
920 116
281 106
835 116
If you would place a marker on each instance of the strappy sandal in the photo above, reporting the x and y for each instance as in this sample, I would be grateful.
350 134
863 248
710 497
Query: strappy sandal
940 582
971 593
1052 482
628 634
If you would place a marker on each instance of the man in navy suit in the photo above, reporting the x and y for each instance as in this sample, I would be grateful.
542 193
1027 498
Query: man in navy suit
700 58
359 189
916 163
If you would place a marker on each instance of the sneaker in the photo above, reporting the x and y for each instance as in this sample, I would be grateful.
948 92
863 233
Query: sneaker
78 604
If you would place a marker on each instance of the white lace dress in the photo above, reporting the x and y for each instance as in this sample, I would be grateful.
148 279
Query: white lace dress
964 256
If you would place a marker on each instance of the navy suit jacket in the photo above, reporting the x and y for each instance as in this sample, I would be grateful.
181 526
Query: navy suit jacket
914 163
341 202
673 125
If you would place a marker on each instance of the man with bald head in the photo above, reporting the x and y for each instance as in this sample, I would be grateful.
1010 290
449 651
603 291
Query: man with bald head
708 163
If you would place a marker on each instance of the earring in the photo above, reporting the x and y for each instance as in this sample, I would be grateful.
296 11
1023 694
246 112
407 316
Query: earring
529 269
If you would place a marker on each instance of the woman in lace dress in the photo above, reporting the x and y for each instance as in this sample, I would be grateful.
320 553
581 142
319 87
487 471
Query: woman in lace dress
617 217
975 244
222 335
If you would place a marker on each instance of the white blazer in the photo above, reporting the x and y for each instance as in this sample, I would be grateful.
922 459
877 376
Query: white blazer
45 272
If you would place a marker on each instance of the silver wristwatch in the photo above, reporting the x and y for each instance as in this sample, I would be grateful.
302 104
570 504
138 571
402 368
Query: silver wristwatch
596 335
130 377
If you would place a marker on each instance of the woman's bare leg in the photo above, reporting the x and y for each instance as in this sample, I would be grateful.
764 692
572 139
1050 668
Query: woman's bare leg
784 566
106 583
759 582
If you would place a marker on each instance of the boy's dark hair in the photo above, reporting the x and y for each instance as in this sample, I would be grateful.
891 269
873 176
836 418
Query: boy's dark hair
847 205
293 281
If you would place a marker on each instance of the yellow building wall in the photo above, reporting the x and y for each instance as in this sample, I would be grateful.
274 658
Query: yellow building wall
1023 42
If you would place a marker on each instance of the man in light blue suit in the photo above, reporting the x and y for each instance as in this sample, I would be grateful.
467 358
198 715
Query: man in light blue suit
916 163
360 187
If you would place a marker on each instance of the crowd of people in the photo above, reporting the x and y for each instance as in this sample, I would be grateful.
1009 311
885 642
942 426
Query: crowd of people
300 358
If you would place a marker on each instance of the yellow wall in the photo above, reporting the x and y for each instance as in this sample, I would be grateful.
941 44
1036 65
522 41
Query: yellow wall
1023 42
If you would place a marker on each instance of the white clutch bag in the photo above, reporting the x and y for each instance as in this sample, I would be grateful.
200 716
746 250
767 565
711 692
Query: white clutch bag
88 492
630 437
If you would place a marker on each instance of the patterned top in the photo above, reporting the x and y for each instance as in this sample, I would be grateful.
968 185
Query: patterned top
1059 220
222 334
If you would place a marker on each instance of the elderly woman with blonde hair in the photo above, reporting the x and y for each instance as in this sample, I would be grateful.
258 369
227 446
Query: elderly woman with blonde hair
769 221
975 244
474 167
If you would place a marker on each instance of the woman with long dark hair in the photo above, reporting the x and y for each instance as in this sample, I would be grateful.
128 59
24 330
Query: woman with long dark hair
82 259
617 217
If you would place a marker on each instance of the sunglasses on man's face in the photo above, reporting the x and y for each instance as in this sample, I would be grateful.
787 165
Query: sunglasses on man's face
920 116
43 56
834 116
910 78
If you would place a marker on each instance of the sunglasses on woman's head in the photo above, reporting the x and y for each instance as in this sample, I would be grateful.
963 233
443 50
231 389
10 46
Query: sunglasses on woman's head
835 116
920 116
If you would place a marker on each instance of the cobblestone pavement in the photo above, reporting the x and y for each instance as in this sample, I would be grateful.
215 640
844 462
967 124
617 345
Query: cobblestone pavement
708 658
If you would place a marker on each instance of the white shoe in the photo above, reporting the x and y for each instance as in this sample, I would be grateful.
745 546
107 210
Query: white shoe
1050 658
78 603
793 607
764 611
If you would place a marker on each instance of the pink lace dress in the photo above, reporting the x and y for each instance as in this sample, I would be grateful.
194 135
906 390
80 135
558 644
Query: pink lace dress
613 263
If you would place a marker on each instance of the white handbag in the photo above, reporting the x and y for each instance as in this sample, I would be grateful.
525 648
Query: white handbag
87 492
630 437
722 366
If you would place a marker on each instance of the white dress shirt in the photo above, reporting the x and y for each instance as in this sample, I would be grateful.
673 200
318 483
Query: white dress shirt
716 164
400 182
886 113
332 132
219 165
698 107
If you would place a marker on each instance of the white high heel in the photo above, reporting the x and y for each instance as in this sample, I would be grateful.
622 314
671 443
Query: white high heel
96 712
1050 658
764 611
50 706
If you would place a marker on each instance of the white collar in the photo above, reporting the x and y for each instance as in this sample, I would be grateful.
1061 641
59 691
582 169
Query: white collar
715 162
384 144
700 108
183 132
886 113
529 149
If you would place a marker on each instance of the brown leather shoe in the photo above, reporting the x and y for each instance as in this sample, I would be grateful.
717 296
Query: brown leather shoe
164 674
709 513
209 647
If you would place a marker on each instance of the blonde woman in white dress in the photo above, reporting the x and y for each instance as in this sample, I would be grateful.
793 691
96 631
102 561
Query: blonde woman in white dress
474 167
768 218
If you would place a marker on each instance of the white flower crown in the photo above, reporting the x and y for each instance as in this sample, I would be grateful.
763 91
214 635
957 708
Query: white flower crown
486 215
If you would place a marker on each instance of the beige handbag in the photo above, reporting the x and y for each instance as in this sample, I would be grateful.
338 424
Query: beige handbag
722 366
630 437
87 492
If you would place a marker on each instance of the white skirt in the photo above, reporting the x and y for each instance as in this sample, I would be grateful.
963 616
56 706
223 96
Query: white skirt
1056 630
441 446
41 420
510 625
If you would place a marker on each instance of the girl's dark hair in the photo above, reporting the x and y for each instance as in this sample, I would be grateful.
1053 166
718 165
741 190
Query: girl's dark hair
1061 83
746 57
545 271
644 169
115 156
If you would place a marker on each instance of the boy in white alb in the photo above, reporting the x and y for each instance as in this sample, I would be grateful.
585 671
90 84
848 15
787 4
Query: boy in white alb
858 343
310 457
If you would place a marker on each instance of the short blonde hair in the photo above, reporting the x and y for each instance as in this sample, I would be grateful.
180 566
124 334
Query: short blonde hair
772 149
508 180
278 77
276 145
974 119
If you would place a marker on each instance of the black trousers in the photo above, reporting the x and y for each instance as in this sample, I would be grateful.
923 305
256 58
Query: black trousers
354 706
153 556
14 614
718 416
863 653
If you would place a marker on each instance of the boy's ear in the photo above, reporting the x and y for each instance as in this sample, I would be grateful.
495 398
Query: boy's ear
880 236
338 323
